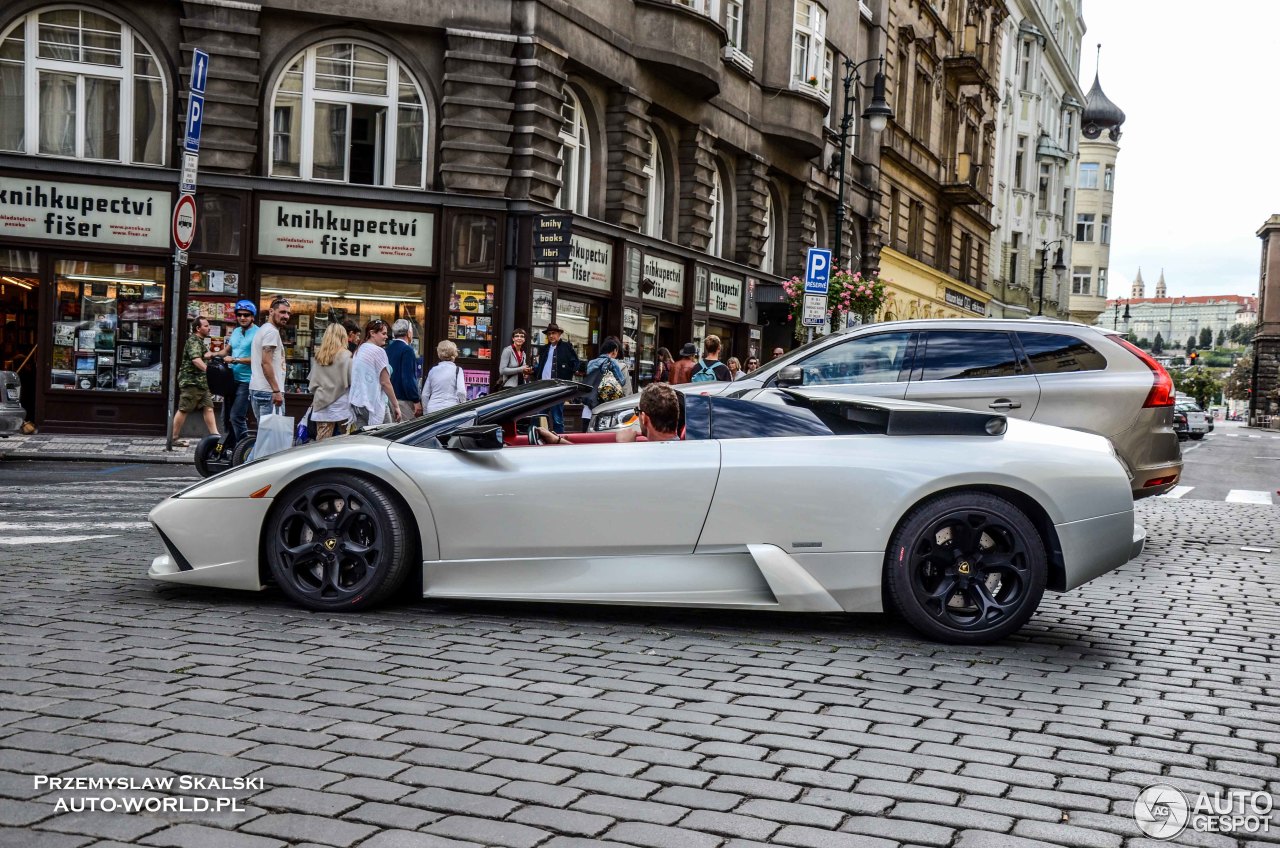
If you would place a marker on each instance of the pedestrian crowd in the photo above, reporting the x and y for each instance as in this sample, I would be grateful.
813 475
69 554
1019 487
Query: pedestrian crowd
366 377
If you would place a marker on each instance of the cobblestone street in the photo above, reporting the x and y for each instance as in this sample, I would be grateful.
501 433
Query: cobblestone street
431 724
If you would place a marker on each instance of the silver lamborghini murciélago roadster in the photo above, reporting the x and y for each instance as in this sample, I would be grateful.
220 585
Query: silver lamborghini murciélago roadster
957 519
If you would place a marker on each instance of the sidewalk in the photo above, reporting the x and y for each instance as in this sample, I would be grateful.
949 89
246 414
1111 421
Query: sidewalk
94 449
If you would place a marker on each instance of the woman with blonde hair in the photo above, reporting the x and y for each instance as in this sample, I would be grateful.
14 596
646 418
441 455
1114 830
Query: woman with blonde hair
330 382
444 386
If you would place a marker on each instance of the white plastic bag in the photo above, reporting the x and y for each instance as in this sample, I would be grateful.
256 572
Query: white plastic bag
275 433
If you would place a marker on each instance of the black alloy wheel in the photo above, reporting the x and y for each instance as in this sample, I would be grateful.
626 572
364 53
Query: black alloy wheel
967 568
337 544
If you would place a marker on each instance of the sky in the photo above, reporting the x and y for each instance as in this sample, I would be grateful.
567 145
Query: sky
1194 180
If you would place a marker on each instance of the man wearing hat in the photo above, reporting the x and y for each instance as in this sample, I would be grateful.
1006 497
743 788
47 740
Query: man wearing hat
682 368
557 360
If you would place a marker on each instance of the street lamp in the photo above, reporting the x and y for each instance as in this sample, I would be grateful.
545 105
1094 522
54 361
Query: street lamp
1058 268
877 115
1115 323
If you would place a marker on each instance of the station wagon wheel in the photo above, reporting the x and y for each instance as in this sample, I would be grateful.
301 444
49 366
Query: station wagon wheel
336 543
968 568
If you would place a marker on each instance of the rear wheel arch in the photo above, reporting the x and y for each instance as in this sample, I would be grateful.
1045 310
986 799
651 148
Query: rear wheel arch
1030 507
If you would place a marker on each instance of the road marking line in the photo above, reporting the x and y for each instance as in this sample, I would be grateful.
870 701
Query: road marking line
1248 496
1177 491
52 540
104 525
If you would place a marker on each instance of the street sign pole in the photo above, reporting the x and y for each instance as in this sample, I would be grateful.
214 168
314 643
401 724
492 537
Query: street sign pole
189 153
817 282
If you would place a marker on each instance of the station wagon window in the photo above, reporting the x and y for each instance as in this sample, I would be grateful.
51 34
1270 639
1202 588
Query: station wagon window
952 355
876 358
1054 353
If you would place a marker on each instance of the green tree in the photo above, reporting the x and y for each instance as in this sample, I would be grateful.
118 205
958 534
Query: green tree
1236 386
1145 344
1199 383
1158 345
1206 338
1222 339
1131 338
1191 343
1242 333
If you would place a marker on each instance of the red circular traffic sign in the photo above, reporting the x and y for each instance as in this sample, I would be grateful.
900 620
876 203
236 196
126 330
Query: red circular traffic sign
184 222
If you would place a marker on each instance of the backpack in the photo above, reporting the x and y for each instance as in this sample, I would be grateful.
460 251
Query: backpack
609 387
705 373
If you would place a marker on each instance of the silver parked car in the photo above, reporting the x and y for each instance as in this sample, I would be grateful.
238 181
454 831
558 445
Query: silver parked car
1052 372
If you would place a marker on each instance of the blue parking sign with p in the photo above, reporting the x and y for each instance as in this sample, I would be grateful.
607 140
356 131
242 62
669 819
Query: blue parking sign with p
817 270
195 115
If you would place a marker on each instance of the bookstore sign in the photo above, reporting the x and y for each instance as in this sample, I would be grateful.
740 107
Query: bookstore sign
89 214
345 233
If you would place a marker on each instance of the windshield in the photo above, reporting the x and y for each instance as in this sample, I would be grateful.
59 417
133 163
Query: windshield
770 368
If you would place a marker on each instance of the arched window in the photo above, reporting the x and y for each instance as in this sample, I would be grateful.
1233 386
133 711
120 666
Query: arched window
75 82
655 175
575 155
351 113
719 217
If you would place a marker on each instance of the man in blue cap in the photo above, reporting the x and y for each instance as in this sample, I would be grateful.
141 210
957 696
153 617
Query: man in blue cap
240 357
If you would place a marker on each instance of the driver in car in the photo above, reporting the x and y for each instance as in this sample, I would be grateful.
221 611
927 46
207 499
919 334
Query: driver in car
659 412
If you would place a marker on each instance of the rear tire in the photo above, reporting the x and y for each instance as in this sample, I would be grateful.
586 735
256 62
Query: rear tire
968 568
1197 436
337 543
243 448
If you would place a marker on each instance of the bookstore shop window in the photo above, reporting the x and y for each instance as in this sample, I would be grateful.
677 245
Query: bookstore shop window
317 301
108 327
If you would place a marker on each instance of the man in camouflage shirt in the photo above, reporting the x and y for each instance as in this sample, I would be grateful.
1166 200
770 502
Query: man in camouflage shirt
193 383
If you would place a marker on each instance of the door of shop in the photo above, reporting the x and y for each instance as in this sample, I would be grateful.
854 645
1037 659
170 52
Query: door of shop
19 310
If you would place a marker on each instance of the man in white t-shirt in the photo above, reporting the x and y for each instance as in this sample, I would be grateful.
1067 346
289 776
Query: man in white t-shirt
266 367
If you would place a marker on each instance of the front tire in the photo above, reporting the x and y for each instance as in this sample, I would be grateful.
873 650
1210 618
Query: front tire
337 544
967 568
1195 437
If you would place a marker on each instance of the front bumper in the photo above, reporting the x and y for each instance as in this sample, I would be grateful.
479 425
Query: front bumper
210 541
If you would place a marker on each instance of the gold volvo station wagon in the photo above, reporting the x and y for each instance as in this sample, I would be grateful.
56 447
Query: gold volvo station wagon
1052 372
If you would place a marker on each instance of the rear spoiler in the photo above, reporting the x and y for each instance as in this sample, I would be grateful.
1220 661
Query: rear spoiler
866 416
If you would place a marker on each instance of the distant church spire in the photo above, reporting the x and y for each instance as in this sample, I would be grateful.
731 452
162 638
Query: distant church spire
1139 290
1160 289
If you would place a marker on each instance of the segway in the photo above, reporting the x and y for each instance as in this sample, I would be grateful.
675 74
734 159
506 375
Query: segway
212 455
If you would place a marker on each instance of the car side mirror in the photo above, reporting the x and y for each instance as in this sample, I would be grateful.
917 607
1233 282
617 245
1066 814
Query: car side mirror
482 437
792 375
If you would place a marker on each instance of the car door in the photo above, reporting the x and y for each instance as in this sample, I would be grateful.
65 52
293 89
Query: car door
536 503
973 369
874 364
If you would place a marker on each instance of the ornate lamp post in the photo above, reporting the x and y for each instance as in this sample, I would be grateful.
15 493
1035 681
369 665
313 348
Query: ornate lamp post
1058 268
877 115
1115 323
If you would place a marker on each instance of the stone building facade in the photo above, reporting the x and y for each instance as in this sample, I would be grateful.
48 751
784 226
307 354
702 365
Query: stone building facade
1095 202
1038 137
1264 397
692 142
1176 319
937 156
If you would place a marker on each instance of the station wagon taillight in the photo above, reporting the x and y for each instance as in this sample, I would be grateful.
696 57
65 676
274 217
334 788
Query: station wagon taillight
1162 393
